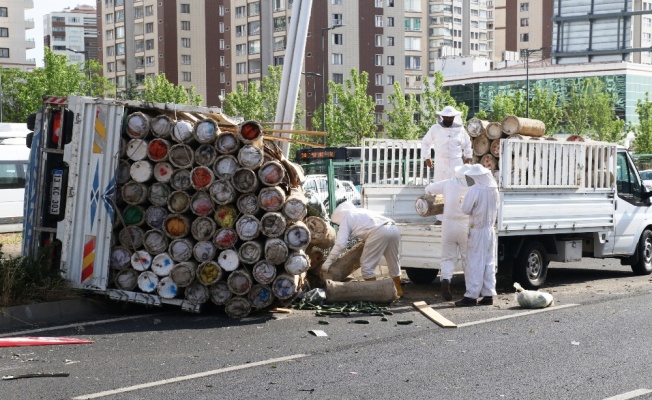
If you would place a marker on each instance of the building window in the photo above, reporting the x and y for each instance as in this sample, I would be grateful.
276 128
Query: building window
149 61
254 28
254 47
4 32
338 38
110 51
186 76
390 21
379 99
139 45
390 40
412 5
414 24
278 60
4 52
138 12
337 19
338 78
149 44
279 24
110 67
338 59
241 68
279 43
390 79
120 16
390 60
525 6
221 44
120 32
185 8
379 40
379 79
240 30
185 25
378 60
3 12
413 62
241 49
109 18
185 59
279 5
185 42
413 43
149 27
240 12
121 80
336 2
525 37
120 49
149 11
379 21
525 22
254 9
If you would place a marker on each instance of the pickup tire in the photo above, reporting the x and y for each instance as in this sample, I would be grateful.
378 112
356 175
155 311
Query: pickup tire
531 265
421 276
643 264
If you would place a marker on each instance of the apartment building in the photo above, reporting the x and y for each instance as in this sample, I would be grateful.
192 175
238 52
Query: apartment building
13 27
522 26
72 32
602 31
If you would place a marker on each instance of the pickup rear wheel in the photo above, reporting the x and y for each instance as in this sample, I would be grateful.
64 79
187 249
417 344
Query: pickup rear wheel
421 276
643 265
531 265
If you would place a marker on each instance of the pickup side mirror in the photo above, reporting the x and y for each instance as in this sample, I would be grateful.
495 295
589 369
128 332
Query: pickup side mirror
645 195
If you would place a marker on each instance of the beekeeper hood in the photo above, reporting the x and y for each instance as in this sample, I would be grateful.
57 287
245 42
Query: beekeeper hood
341 211
481 175
460 170
449 111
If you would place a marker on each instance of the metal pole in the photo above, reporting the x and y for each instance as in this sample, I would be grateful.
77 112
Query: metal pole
323 86
1 95
90 77
527 83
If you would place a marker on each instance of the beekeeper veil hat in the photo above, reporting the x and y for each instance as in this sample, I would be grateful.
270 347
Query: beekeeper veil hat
449 111
481 175
341 211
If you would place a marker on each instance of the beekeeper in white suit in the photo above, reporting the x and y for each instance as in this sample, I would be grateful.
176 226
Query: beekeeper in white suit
481 203
451 143
455 226
381 237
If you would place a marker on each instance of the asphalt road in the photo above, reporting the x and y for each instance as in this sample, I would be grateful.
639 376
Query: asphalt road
592 345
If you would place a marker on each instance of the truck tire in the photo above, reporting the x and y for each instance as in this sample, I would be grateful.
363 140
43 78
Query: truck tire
643 265
421 276
531 265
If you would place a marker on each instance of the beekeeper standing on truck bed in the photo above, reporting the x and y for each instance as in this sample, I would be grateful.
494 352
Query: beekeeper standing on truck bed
381 237
451 143
481 203
454 228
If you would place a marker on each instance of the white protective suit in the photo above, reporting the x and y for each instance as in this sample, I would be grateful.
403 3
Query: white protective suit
455 223
380 234
481 203
451 146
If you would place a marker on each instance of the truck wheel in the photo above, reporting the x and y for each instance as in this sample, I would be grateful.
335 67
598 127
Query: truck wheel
421 276
531 265
643 265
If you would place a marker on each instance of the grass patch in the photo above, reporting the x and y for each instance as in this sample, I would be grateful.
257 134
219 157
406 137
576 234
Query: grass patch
11 238
25 280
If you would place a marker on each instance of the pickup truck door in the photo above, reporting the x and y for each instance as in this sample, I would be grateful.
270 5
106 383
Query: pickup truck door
631 211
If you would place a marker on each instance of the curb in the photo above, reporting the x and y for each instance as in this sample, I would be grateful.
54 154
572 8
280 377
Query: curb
58 312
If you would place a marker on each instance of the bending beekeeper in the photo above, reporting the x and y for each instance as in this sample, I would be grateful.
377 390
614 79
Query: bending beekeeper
481 204
454 228
381 237
451 143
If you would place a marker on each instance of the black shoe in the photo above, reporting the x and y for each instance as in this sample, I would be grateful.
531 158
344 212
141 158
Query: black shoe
437 222
446 289
466 302
486 301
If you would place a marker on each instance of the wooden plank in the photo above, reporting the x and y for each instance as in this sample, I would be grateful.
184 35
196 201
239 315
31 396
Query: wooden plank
433 315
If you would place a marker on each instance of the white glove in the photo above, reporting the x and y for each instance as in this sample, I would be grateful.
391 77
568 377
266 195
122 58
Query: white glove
325 266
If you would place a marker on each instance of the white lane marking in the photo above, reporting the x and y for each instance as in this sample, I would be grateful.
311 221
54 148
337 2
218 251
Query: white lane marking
630 395
188 377
54 328
484 321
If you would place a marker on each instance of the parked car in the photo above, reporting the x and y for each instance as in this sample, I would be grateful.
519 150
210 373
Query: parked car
318 184
13 169
646 177
351 192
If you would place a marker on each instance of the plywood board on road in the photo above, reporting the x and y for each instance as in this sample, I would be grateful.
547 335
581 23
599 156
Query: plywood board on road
433 315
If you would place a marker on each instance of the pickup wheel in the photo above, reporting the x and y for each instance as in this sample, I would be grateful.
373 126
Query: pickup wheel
643 266
421 276
531 265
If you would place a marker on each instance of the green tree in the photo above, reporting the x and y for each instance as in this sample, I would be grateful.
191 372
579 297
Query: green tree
160 90
544 107
643 130
353 117
433 99
23 91
400 122
591 111
131 92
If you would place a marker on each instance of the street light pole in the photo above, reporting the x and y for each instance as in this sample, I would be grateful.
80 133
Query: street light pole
314 88
527 53
323 80
88 63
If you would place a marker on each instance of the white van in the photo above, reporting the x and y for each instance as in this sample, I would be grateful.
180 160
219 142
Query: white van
13 169
318 183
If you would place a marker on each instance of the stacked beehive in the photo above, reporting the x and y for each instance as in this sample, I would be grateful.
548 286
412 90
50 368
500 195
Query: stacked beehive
209 213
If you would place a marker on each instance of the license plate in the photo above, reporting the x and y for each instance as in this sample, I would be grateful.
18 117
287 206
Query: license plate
55 192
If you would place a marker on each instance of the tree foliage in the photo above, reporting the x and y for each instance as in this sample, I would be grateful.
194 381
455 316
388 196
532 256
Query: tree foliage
400 122
160 90
433 99
643 130
544 107
352 118
591 112
23 91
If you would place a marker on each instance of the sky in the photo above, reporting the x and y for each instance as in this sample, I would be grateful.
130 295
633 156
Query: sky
41 8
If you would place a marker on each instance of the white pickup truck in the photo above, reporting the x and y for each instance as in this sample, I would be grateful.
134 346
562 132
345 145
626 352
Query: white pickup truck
559 201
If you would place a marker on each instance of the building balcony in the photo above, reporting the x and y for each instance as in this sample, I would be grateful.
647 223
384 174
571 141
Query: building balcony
29 24
30 44
29 4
